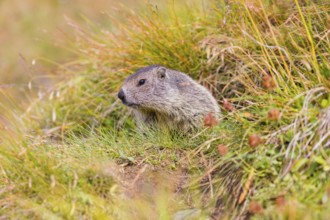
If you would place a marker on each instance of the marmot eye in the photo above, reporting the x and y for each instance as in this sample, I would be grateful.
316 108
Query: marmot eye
141 82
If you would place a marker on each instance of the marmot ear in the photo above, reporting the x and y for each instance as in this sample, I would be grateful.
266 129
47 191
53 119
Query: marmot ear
161 72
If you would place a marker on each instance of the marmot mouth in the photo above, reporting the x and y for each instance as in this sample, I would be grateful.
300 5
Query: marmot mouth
129 104
132 105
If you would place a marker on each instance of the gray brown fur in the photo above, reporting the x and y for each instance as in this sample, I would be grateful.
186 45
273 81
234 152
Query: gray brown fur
167 98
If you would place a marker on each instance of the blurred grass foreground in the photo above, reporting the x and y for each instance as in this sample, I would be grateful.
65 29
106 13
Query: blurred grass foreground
70 150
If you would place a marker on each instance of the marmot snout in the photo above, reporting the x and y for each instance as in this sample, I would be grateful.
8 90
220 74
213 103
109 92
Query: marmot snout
163 97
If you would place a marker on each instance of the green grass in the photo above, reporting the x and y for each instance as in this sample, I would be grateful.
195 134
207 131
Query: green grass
76 153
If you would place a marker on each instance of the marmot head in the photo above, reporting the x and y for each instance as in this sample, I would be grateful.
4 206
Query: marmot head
149 88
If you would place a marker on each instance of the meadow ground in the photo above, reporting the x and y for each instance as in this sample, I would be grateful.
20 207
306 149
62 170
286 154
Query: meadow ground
70 150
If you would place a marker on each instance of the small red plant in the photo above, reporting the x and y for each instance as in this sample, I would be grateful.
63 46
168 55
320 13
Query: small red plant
280 201
268 82
274 114
255 140
210 120
255 208
222 149
227 105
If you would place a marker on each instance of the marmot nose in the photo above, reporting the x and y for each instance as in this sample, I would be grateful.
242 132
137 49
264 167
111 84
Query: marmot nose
121 95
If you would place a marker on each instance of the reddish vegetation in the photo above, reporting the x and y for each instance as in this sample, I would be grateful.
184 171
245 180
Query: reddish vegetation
255 208
222 149
227 105
268 82
255 140
210 121
280 201
274 114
